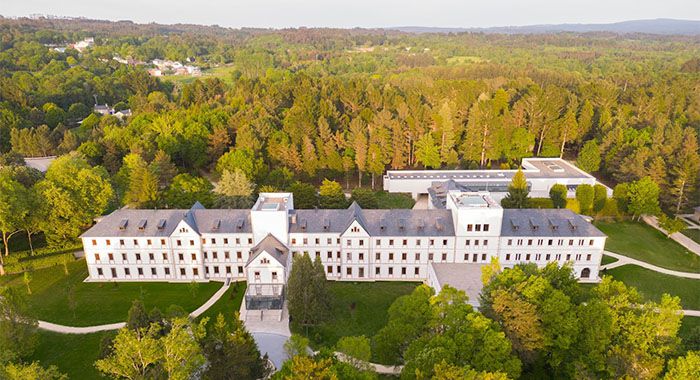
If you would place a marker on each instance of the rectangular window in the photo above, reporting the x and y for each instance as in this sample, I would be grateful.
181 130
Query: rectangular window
140 270
527 257
475 257
571 241
151 257
486 227
329 241
430 257
507 256
329 269
182 271
153 271
127 271
216 270
444 257
348 242
362 256
329 255
348 256
99 271
590 242
403 271
477 227
94 242
510 241
391 271
486 242
305 241
362 272
195 271
444 242
240 270
114 272
97 257
225 240
138 257
466 257
362 242
179 243
121 241
109 242
529 241
250 241
403 256
194 256
467 243
391 242
377 256
162 241
405 242
377 271
417 257
391 256
148 241
483 257
348 271
588 257
547 257
318 241
167 271
470 227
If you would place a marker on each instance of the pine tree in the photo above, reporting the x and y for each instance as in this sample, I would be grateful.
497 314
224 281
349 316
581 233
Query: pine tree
589 157
518 192
233 184
427 152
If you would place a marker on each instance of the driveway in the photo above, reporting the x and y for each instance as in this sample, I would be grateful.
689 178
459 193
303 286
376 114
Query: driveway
273 345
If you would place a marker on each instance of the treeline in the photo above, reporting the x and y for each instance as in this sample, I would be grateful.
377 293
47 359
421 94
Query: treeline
347 105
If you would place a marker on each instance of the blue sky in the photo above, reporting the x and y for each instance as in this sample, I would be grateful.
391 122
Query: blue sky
360 13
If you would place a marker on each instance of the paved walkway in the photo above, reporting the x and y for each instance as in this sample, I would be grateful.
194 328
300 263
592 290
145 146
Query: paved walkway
116 326
381 369
624 260
681 239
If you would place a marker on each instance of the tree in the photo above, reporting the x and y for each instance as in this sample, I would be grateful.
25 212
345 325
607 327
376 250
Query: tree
427 153
302 367
589 157
557 193
366 198
17 328
135 354
600 196
74 194
307 293
360 145
643 197
182 354
304 195
13 210
518 192
32 371
232 352
296 345
584 196
408 317
685 170
234 184
684 367
243 159
137 317
186 190
142 191
671 225
164 169
357 350
331 195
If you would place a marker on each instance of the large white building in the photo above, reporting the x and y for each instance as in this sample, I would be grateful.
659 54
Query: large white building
354 244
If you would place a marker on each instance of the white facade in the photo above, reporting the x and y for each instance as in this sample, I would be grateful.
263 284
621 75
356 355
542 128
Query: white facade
352 244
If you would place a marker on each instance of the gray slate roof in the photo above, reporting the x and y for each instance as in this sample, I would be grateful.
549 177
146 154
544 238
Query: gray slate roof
546 223
271 245
109 226
375 222
199 218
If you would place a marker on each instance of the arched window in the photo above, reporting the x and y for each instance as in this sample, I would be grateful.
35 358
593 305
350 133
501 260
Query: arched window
585 273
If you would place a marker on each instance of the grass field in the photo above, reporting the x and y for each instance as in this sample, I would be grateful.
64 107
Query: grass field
688 325
228 304
394 200
464 60
73 354
221 72
357 308
607 260
101 303
653 284
693 234
645 243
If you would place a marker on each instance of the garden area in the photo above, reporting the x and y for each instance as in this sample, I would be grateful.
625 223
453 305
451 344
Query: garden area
357 308
59 295
645 243
73 354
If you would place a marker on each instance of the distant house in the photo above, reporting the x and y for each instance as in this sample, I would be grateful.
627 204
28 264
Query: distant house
155 72
103 109
84 44
123 113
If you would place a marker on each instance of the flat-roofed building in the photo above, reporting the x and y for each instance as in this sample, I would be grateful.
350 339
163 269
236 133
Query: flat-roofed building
541 175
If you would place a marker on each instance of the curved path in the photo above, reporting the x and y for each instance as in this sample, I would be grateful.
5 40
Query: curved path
116 326
624 260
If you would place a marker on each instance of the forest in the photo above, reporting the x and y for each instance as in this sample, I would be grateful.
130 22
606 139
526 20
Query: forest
281 108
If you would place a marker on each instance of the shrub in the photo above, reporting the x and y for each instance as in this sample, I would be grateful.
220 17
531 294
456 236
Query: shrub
572 204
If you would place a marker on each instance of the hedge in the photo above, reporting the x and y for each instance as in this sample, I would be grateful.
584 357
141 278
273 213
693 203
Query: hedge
23 261
540 203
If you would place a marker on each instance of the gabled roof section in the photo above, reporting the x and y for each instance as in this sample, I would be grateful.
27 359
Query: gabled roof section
546 223
125 222
356 215
272 246
190 218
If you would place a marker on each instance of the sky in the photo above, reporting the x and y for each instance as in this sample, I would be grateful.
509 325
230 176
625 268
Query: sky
359 13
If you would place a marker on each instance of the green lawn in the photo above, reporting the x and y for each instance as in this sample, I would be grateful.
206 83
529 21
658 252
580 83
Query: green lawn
100 303
357 308
688 325
653 284
73 354
645 243
394 200
228 304
607 260
693 234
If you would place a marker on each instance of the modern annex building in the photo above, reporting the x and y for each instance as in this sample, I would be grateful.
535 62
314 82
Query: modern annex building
541 174
437 246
